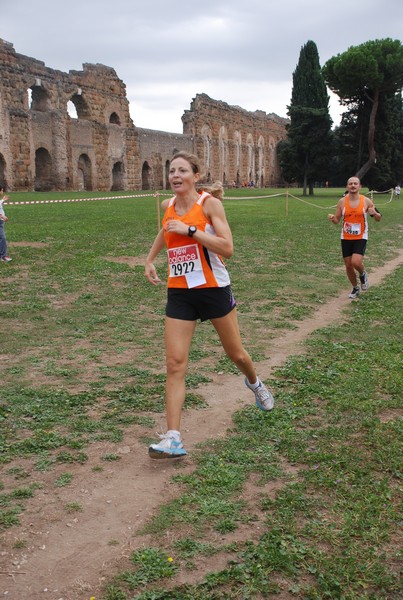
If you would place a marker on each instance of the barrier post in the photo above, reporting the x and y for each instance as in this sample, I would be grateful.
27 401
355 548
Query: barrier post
286 203
158 211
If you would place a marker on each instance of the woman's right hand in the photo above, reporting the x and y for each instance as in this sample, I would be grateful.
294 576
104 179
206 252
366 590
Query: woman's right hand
150 273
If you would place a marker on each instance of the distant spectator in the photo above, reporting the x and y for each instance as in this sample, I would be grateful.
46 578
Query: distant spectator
3 242
397 191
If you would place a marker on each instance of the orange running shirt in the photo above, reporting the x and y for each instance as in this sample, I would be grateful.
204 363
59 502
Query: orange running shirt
190 264
355 224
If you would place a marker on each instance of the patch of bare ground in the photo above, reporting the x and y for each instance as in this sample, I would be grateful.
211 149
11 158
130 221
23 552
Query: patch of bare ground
29 244
132 261
390 415
69 556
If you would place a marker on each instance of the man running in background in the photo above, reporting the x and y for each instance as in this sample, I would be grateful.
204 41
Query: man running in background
353 209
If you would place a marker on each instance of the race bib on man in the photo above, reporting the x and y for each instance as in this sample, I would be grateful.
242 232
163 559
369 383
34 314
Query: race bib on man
352 228
184 260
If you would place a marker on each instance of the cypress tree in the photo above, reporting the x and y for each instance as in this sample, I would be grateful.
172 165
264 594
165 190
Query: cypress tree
304 157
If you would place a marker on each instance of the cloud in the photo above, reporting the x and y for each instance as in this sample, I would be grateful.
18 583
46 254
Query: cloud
243 53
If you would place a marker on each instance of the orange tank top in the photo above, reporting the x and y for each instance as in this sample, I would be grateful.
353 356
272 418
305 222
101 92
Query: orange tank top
190 264
355 224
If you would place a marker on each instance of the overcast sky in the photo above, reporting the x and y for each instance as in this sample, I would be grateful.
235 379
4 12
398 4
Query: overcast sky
242 52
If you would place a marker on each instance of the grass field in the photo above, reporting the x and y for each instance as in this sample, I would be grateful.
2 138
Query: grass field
81 323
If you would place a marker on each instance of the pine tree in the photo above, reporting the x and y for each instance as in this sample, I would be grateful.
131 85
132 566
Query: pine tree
368 79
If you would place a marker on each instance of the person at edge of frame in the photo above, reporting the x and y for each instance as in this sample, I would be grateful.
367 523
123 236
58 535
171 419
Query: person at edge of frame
3 241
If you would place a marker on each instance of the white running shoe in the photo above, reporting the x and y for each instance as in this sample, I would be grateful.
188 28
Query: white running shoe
264 399
364 281
168 447
354 292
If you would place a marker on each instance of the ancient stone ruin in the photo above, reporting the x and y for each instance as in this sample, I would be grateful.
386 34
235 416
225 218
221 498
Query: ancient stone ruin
73 131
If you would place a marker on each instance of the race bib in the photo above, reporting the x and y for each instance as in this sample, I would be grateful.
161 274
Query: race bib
184 260
352 228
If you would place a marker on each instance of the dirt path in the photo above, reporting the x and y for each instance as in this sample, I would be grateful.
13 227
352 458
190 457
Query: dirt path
67 556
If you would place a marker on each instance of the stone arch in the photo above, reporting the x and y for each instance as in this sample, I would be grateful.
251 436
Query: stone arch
250 148
71 110
237 156
84 172
260 173
146 173
223 152
43 171
237 149
3 178
114 118
117 176
272 159
206 137
38 97
166 175
81 106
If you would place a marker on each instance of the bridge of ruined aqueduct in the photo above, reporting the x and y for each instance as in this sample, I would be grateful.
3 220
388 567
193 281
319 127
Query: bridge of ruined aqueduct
73 131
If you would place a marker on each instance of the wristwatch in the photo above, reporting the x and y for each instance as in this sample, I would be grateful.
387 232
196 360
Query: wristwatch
192 230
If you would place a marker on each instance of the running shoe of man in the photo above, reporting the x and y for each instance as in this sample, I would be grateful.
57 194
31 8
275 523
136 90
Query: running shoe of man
354 292
364 281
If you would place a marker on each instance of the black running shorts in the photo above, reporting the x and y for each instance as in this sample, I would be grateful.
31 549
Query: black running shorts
199 303
350 247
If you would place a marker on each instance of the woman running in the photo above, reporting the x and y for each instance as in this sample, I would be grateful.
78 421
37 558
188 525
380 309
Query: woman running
196 234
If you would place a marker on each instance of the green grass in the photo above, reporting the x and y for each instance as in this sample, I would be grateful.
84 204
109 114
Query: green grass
82 362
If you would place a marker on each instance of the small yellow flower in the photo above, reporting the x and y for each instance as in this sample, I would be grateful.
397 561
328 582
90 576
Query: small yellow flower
170 559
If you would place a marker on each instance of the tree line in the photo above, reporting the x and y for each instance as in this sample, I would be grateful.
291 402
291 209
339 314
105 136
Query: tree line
368 142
